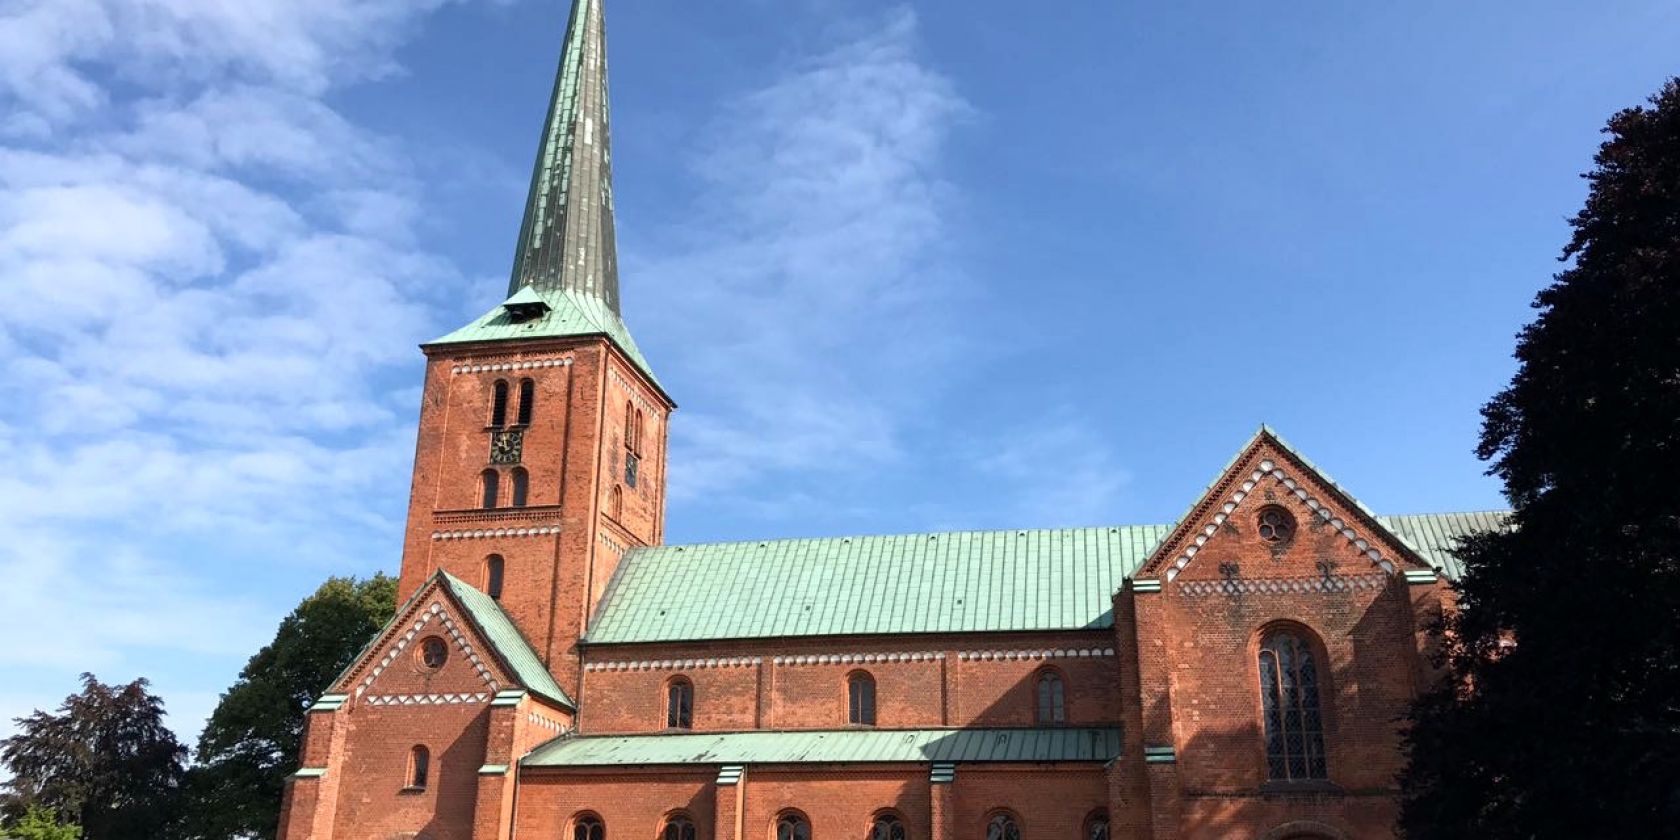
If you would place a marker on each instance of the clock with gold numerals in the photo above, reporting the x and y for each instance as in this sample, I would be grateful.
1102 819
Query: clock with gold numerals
507 447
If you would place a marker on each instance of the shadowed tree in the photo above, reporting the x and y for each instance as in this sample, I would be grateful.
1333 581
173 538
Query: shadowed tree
105 761
251 741
1560 714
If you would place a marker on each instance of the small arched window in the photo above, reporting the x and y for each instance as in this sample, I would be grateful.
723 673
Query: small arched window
419 768
630 426
498 404
639 428
521 487
489 482
1096 826
1003 826
493 570
793 827
1051 705
679 827
887 826
679 704
615 502
527 401
589 827
860 690
1289 700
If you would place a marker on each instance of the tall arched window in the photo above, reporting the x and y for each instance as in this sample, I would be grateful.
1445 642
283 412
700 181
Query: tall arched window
632 447
521 486
1096 826
589 827
1051 706
490 483
419 768
498 404
1003 826
615 502
1289 700
639 428
679 827
860 690
527 401
887 826
792 826
493 569
679 704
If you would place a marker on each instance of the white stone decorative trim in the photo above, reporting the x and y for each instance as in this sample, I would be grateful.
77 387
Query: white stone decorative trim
433 613
676 664
546 723
426 699
528 364
1268 468
1016 655
860 658
1284 586
489 533
611 543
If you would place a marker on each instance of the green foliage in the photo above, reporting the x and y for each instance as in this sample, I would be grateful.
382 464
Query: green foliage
105 761
1560 716
38 823
252 739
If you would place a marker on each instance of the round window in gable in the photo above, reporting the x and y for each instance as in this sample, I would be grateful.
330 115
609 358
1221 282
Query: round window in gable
1276 526
433 653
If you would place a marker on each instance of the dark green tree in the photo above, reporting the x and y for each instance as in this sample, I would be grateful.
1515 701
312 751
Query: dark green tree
105 761
1560 714
252 739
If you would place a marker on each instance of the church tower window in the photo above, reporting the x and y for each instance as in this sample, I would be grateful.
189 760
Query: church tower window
494 568
1294 722
521 487
489 482
499 404
527 401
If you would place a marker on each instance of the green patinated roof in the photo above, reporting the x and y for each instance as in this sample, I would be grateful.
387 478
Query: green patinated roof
963 582
571 315
506 640
832 746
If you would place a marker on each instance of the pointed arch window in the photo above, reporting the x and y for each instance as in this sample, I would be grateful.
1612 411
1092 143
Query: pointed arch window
679 827
860 690
1003 826
1051 705
1096 826
527 401
419 768
489 483
521 487
888 826
1289 700
792 826
494 567
632 445
499 403
589 827
679 704
615 503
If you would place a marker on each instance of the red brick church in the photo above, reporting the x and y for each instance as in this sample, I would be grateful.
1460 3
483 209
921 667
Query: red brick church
556 671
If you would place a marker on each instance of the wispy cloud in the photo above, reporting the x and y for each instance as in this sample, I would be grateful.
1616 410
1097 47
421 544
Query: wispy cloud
211 276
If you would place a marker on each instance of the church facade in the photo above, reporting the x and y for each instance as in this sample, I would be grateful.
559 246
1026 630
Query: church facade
555 670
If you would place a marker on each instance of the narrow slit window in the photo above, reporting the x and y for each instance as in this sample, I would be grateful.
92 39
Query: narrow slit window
679 704
490 483
419 768
499 404
1052 706
861 691
527 401
493 571
521 486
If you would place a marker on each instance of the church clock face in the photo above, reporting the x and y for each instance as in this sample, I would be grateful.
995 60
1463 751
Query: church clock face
507 447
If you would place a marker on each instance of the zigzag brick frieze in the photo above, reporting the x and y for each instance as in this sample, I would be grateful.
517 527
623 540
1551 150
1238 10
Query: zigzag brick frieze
1284 586
434 613
426 699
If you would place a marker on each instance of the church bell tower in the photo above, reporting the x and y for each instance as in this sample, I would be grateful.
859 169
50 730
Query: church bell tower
542 442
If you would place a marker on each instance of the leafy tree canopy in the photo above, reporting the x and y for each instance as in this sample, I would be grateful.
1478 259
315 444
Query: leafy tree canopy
105 761
1561 713
38 823
252 740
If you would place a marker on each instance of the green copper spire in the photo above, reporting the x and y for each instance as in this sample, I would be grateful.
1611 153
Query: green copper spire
567 240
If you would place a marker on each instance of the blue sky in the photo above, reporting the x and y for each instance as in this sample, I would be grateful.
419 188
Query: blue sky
904 267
